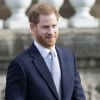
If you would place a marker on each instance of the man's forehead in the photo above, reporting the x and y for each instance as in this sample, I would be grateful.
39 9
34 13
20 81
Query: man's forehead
47 17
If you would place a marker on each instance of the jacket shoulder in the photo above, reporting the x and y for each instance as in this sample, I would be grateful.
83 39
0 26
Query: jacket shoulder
64 49
22 56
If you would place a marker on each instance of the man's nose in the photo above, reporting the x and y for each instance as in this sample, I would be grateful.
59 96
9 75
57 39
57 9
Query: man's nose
50 31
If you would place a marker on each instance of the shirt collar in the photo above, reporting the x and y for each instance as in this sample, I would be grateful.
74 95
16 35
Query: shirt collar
45 51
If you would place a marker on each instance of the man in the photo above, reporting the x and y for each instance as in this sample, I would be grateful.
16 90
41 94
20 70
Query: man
34 75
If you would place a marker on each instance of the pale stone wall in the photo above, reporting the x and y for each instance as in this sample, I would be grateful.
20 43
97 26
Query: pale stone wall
2 86
84 42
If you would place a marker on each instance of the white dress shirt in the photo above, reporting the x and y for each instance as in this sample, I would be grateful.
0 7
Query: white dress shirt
44 52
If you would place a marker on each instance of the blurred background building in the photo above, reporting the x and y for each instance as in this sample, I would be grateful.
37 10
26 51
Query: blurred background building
79 27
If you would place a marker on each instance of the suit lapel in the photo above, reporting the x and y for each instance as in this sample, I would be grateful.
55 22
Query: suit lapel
43 70
66 78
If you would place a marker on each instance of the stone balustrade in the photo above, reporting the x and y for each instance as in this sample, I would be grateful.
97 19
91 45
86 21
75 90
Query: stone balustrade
81 19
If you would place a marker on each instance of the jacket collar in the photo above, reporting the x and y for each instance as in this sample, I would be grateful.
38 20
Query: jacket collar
65 63
42 69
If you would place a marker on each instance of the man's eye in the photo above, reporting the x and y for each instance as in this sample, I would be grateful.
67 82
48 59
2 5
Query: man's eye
45 27
54 26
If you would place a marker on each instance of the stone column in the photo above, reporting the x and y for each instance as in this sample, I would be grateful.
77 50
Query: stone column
82 17
18 19
62 23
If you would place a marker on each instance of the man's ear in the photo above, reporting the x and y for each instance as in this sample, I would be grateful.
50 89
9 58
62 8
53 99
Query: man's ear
32 27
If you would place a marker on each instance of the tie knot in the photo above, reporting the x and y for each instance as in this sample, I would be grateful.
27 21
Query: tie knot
52 53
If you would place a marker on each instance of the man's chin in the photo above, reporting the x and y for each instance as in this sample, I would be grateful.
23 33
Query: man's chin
51 44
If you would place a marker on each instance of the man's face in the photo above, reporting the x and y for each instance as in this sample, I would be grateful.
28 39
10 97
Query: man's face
46 31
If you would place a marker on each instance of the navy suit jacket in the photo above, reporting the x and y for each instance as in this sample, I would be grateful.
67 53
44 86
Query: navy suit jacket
28 77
